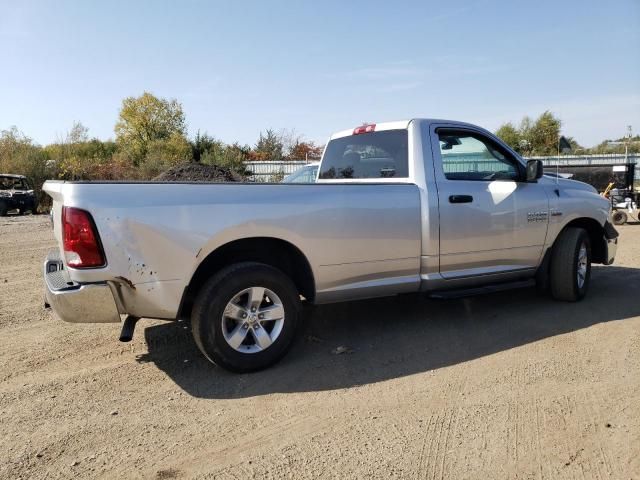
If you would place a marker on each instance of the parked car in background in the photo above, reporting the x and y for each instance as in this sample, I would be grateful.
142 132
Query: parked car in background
16 194
432 206
306 174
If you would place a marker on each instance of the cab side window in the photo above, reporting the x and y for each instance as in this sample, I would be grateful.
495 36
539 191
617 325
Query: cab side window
469 156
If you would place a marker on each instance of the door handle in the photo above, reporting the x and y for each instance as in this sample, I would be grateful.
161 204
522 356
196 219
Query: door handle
460 199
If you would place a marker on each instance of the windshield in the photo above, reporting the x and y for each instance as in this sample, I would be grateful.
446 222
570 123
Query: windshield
368 155
303 175
13 183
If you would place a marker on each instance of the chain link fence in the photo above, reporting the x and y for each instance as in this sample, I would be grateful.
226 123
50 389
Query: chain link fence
276 170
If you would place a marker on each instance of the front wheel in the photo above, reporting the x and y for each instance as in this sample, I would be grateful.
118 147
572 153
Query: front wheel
570 272
244 318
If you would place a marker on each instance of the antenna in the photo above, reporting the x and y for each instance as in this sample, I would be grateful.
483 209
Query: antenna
564 145
558 161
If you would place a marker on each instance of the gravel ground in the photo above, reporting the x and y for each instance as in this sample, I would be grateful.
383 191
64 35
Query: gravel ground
509 385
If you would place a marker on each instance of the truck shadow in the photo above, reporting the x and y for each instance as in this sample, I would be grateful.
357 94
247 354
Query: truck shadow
395 337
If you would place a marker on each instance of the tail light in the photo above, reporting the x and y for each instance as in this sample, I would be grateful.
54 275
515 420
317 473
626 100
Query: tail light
80 241
364 129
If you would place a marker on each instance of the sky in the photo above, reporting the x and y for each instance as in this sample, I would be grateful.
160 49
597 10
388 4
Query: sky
240 67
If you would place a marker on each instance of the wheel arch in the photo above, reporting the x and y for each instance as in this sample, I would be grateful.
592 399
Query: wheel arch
275 252
596 234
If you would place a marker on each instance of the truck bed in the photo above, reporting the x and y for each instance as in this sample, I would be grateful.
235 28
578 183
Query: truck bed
356 237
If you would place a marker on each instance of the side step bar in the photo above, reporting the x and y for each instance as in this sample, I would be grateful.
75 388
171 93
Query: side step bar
471 292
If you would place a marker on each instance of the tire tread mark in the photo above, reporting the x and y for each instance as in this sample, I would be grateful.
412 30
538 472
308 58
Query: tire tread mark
437 446
516 421
539 447
421 458
432 438
446 443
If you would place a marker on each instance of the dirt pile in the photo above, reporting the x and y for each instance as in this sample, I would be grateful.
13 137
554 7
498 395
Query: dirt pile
198 172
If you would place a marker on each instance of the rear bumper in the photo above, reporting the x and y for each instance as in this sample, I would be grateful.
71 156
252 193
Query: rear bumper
75 302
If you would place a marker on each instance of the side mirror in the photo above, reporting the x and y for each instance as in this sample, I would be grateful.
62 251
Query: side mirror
535 170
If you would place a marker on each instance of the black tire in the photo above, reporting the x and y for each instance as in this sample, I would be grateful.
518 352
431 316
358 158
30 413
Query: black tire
563 278
218 291
3 209
619 217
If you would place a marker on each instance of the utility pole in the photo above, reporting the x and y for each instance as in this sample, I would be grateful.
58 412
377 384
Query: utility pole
626 141
626 144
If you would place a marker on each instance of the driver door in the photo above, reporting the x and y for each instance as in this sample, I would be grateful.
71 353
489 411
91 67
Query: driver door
491 220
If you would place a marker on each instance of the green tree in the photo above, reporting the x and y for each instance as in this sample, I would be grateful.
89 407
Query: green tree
511 136
78 158
544 134
147 119
618 145
204 143
228 156
533 138
269 146
164 153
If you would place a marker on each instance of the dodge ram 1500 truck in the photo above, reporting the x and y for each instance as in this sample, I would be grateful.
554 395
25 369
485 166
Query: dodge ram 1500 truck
412 206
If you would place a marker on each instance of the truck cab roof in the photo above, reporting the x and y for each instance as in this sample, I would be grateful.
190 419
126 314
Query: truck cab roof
396 125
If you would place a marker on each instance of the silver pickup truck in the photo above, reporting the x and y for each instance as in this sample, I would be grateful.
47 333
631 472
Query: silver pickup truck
413 206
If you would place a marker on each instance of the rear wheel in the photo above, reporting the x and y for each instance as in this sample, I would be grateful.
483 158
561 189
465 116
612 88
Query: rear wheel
244 318
570 271
3 209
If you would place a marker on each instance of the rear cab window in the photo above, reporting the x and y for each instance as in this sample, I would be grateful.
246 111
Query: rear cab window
381 154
